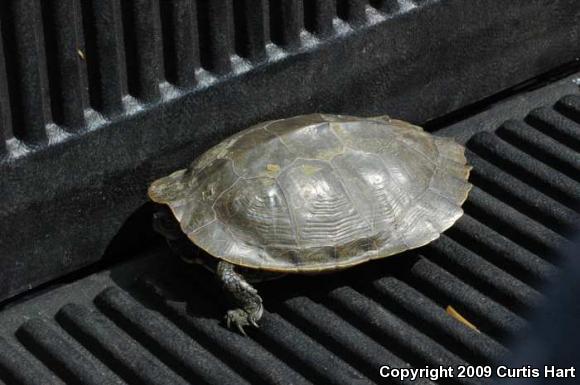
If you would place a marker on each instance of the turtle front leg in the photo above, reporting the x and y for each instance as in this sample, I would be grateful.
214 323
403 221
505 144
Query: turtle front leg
249 303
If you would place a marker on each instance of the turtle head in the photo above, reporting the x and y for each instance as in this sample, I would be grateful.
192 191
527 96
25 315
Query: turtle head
165 223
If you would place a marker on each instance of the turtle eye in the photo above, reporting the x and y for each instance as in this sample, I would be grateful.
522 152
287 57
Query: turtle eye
165 224
161 215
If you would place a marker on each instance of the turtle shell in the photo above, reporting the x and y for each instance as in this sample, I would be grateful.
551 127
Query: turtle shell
318 192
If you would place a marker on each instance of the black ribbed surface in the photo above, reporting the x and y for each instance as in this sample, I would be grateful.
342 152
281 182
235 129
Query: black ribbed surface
105 56
353 11
62 60
100 97
25 64
165 327
66 56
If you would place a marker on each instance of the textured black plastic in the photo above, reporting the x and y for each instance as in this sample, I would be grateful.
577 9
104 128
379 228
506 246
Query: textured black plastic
99 97
156 320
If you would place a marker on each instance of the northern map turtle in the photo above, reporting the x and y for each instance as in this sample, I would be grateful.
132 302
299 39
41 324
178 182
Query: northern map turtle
311 194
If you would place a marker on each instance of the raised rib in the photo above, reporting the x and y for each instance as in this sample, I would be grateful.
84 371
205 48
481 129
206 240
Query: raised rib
542 147
513 224
181 41
502 252
304 354
352 11
143 40
379 323
66 62
319 16
105 55
250 18
484 313
529 170
17 369
333 331
258 365
215 20
26 67
492 281
422 312
536 205
387 6
563 126
179 351
570 106
119 352
65 358
286 22
5 113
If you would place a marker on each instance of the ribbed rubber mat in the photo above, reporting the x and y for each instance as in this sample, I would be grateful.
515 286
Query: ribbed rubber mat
165 327
64 65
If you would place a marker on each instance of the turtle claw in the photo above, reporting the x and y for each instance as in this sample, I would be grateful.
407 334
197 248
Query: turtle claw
239 318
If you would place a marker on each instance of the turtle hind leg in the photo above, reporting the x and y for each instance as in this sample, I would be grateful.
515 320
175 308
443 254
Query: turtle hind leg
250 309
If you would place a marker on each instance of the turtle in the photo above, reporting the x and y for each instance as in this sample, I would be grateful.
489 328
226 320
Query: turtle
309 194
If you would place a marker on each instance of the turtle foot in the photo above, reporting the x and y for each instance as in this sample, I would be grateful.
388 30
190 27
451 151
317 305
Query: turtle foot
241 318
249 303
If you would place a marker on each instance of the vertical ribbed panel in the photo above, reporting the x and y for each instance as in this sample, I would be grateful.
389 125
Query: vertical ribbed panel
387 6
352 11
319 15
64 49
215 20
143 47
26 67
5 114
181 41
286 22
250 33
105 55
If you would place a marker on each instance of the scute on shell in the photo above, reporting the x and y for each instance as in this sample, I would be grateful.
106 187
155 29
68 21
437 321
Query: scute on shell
318 192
